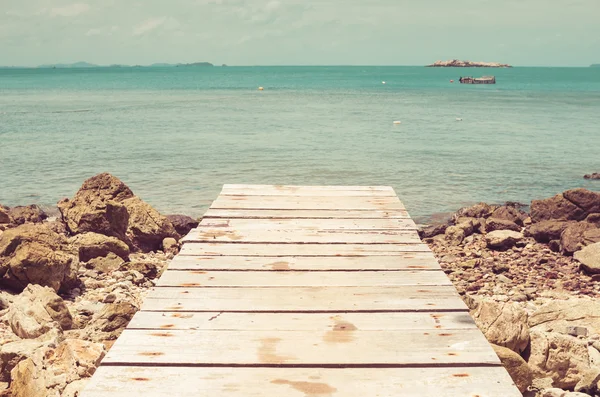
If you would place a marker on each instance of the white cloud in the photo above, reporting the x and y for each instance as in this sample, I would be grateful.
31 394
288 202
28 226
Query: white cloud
103 31
148 25
70 10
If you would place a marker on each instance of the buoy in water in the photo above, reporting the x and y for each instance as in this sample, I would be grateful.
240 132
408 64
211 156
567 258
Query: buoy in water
383 82
260 88
397 122
458 119
452 81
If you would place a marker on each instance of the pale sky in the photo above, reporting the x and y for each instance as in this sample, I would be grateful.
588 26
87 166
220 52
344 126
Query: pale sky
300 32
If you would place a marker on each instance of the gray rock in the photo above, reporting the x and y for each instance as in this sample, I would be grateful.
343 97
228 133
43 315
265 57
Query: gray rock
502 239
589 257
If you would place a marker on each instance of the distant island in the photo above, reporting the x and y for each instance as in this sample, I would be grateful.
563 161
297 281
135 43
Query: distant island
455 63
595 65
79 65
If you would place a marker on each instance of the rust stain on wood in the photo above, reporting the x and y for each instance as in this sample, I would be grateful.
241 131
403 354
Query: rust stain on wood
460 375
141 379
308 388
280 265
167 326
181 315
198 272
213 235
162 334
151 354
189 285
267 352
341 331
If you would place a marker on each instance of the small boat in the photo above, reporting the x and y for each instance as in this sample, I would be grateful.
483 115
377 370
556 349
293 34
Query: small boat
478 80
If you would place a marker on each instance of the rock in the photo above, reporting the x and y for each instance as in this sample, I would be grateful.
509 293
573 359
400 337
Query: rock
110 321
27 380
77 358
183 224
585 199
577 235
502 239
36 310
557 315
590 382
170 246
454 235
576 331
4 217
555 208
516 367
555 392
106 264
109 218
503 324
93 245
492 224
594 219
27 214
545 231
481 210
594 175
149 269
14 352
509 213
563 358
589 257
428 232
34 254
147 228
75 389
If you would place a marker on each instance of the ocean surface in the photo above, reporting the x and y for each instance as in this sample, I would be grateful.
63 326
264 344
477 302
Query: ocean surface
175 135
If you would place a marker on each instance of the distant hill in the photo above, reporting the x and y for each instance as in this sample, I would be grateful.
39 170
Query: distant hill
196 64
70 65
595 65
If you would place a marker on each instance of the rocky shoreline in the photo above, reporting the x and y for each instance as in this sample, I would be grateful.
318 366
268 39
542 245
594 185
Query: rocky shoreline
532 282
70 285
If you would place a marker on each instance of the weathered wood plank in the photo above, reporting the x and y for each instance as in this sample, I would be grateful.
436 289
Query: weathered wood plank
202 234
320 224
307 203
400 261
344 345
305 214
307 188
301 321
307 193
195 278
299 249
301 382
302 299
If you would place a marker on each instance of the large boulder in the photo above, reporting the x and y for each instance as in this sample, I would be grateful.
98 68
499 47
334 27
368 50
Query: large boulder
509 213
109 322
92 245
564 358
502 239
35 254
555 208
557 315
36 311
503 324
27 380
481 210
492 224
4 217
578 235
546 231
147 227
183 223
516 367
589 257
432 230
585 199
105 205
27 214
75 359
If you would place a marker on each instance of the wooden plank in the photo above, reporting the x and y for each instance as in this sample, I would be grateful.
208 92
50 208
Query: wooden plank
305 193
307 203
301 382
196 278
305 299
320 224
400 261
305 214
300 321
299 249
203 234
227 187
343 346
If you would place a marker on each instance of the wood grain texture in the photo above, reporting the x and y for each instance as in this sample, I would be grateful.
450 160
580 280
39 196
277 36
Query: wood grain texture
304 214
305 299
201 278
299 249
344 345
399 261
310 224
296 188
301 321
307 203
301 382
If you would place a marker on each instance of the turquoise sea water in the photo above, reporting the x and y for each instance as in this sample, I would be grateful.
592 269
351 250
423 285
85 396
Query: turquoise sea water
175 135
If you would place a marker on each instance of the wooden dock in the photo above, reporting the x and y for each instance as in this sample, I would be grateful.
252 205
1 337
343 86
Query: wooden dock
303 291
